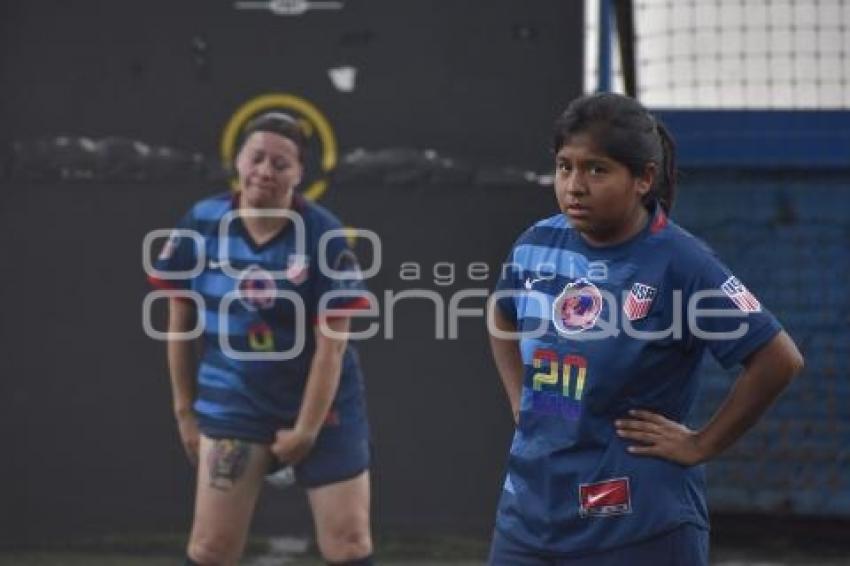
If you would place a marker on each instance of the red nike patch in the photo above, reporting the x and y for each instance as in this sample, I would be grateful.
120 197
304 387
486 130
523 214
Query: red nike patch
609 497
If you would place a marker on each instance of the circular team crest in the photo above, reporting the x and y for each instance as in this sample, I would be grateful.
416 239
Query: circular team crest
577 307
256 288
321 141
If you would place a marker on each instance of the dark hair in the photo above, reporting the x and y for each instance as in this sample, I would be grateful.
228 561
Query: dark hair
623 129
278 123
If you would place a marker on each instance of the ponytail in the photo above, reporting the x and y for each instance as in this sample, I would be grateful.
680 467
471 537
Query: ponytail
664 188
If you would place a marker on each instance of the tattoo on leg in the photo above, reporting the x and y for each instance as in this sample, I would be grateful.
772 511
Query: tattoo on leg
227 460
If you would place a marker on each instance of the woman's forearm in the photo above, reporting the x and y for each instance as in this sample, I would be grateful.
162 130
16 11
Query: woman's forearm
182 358
322 384
506 355
765 376
323 377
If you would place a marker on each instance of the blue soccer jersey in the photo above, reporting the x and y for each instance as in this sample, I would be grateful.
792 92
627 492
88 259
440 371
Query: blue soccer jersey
589 355
259 307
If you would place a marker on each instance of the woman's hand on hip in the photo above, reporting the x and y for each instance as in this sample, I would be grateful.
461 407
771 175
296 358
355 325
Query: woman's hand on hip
291 445
658 436
190 436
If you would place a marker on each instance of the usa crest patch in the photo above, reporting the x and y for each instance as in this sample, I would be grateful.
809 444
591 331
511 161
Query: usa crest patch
739 294
639 301
296 269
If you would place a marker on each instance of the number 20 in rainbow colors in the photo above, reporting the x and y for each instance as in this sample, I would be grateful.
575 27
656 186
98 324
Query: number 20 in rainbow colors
550 376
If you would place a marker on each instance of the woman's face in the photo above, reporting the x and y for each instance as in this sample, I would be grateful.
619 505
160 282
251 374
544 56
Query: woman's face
599 195
269 170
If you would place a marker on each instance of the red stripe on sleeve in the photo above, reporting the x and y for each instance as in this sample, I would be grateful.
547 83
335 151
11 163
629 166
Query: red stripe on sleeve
162 283
168 285
355 304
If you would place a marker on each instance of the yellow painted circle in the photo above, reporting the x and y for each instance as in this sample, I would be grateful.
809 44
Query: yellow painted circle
313 121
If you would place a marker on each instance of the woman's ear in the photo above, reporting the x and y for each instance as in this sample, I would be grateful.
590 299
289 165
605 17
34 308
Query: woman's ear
300 176
644 182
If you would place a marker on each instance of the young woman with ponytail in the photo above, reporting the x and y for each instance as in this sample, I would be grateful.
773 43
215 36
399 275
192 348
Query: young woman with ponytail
602 316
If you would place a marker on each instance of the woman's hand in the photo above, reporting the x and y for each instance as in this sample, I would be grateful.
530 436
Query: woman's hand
190 436
659 436
291 445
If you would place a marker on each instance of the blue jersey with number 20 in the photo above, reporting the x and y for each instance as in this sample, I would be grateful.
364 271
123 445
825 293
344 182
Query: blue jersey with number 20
606 330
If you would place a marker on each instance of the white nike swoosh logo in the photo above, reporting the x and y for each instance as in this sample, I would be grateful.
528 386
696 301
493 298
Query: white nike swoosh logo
529 283
593 498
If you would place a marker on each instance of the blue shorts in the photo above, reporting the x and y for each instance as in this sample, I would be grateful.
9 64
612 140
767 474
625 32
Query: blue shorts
686 545
341 450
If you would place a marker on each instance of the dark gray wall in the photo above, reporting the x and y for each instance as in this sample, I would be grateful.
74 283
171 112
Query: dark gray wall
85 392
84 397
473 78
